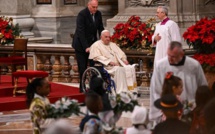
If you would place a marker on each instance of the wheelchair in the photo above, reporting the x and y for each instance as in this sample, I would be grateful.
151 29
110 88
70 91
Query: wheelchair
98 70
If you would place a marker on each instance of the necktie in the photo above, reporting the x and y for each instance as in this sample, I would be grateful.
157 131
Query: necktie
93 16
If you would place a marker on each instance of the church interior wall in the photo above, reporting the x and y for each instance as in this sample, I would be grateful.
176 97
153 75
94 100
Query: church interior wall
58 20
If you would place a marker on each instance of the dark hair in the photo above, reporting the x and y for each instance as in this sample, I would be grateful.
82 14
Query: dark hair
203 95
169 83
31 89
96 85
209 114
93 100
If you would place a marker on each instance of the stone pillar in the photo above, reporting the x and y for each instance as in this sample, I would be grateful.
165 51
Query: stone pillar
20 11
55 20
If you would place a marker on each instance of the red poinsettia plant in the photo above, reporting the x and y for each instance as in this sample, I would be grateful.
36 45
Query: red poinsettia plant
207 61
8 31
201 37
134 34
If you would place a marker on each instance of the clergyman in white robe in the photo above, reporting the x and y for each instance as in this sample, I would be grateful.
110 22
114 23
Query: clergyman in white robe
169 31
191 74
124 75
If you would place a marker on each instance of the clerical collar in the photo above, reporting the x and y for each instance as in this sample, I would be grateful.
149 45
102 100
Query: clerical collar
181 63
164 21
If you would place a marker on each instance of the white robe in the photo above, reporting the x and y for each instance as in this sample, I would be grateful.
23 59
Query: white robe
133 130
124 75
168 32
191 74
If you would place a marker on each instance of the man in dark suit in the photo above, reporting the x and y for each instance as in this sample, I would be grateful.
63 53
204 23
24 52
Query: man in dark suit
89 26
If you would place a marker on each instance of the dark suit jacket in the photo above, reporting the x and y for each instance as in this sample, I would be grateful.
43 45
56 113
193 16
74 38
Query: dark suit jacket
86 29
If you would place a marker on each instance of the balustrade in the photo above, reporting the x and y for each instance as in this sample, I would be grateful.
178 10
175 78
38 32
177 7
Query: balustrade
59 61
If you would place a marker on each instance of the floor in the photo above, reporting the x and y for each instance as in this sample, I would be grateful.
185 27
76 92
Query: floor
18 122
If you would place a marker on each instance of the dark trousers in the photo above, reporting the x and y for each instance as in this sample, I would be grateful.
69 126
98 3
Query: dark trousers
82 60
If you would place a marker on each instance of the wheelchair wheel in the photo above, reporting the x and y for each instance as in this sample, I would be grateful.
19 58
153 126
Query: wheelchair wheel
87 75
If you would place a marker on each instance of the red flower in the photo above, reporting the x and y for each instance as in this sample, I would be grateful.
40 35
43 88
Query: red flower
133 34
168 75
206 60
201 36
8 31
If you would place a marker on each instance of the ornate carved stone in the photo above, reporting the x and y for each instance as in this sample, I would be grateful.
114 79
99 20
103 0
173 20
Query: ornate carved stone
39 65
147 3
66 69
47 65
57 68
75 76
210 2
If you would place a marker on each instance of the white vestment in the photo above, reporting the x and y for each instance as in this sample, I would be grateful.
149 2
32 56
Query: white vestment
168 32
124 75
133 130
191 74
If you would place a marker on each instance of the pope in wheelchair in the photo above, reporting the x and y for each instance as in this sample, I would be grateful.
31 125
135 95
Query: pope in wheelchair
114 62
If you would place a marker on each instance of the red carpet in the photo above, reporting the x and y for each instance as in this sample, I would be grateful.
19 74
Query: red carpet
8 102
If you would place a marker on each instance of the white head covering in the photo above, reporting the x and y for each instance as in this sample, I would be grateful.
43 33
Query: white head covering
139 115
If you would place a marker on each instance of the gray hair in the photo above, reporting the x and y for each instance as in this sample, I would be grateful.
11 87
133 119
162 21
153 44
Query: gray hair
164 9
175 44
92 0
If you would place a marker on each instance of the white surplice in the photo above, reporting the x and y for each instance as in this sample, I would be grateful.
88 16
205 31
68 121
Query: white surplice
168 32
191 74
124 75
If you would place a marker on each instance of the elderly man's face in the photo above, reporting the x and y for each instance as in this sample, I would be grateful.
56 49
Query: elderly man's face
106 38
174 56
93 6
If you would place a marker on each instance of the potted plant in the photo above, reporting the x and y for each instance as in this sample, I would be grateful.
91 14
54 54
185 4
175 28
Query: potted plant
8 31
134 34
201 37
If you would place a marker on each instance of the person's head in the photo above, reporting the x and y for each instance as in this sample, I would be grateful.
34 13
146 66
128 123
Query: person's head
39 86
162 12
175 52
92 6
93 102
105 37
172 85
97 85
203 95
139 115
61 126
169 105
209 114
